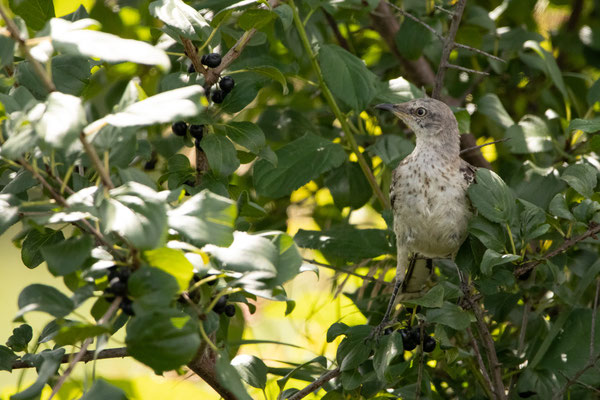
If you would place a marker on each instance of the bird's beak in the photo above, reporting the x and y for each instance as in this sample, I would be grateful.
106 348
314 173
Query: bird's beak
399 110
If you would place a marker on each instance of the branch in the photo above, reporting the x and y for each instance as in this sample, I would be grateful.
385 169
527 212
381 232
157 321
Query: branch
91 152
486 338
204 366
37 67
591 360
323 379
482 145
593 229
192 53
89 355
336 31
468 70
107 315
336 110
448 46
344 271
482 368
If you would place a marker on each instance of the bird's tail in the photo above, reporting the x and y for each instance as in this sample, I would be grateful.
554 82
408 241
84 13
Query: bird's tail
414 273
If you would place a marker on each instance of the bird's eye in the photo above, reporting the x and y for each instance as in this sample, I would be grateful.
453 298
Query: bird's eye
421 111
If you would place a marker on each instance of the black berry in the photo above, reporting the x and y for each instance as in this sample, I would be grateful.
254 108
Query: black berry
191 69
226 84
127 307
230 310
211 60
428 344
218 96
117 287
220 305
388 331
197 131
179 128
409 341
527 394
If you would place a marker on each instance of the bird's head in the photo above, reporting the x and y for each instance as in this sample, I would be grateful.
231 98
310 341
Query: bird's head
425 117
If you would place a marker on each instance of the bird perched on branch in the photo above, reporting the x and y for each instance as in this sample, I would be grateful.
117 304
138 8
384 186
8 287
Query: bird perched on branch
428 194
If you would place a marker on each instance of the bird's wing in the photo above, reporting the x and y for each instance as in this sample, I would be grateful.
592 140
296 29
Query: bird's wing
468 172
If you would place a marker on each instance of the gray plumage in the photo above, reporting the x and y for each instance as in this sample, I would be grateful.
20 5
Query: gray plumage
428 191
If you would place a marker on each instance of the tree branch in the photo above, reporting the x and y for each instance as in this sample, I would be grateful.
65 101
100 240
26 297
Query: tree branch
482 145
89 355
204 366
37 67
104 319
323 379
591 232
344 271
482 368
448 46
468 70
91 152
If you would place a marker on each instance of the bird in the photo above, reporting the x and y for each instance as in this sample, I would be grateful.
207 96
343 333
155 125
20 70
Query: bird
428 195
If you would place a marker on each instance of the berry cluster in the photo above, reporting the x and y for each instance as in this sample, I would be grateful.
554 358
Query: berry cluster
221 306
226 84
117 286
411 338
180 128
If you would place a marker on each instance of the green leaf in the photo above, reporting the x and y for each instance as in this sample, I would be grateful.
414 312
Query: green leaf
411 39
102 390
173 262
492 258
388 348
346 75
229 377
347 242
550 65
450 315
221 154
530 135
163 339
162 108
152 287
492 198
68 38
44 298
391 149
67 256
7 50
558 207
180 19
489 233
252 370
35 12
348 186
299 162
46 363
75 333
256 18
335 330
62 121
434 298
286 15
9 212
272 73
585 125
245 134
137 213
351 379
205 218
593 95
581 177
354 349
491 106
20 337
31 254
7 358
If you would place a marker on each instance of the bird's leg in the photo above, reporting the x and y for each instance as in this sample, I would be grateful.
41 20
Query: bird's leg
398 284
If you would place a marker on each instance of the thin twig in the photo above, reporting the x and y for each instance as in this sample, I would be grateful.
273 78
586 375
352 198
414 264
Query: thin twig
468 70
593 229
345 271
421 362
521 344
91 152
89 355
192 54
593 328
448 46
478 51
482 367
320 381
107 315
336 31
483 145
16 35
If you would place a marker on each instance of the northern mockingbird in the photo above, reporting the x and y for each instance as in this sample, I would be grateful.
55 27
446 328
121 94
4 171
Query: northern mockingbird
428 195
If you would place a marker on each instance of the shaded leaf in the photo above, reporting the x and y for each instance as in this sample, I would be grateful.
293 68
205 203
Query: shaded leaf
152 287
530 135
221 154
7 358
252 370
31 254
348 186
44 298
492 197
491 106
581 177
35 12
450 315
102 390
585 125
20 338
47 363
68 255
245 134
492 258
389 348
229 377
